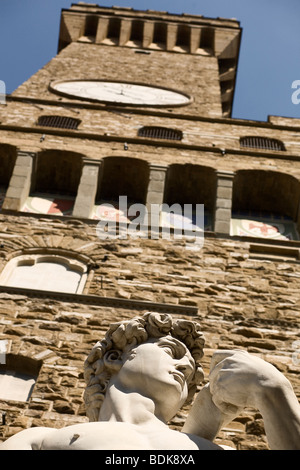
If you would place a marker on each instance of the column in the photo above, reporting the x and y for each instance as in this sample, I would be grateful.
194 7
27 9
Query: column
155 194
148 33
195 39
102 30
87 189
20 182
171 36
156 186
125 31
223 202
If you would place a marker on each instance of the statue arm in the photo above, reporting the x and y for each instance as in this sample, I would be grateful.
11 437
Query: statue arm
239 380
280 410
205 419
29 439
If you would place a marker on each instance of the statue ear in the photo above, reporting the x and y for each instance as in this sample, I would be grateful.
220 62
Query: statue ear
113 360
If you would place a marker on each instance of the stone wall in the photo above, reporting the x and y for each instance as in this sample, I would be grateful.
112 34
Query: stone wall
240 301
111 63
198 133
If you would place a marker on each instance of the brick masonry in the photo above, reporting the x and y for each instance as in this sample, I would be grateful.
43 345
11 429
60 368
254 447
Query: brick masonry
241 303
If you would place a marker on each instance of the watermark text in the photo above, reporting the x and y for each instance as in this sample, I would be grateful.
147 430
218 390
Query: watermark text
296 94
169 222
296 353
2 92
3 350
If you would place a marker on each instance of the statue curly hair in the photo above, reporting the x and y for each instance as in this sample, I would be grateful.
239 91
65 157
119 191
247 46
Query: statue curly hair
123 336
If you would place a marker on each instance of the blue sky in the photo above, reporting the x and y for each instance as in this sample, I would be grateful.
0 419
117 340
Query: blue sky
269 56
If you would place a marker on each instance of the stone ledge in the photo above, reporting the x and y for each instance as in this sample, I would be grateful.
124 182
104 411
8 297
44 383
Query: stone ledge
102 301
291 124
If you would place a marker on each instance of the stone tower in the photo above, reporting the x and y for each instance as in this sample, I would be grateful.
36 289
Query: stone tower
138 104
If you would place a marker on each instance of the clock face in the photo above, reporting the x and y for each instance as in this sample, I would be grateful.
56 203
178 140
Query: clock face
120 92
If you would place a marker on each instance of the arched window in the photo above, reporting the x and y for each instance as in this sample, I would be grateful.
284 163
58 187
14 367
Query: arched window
8 155
60 122
183 38
91 24
263 143
265 205
45 272
120 176
159 36
55 183
160 133
113 32
190 184
18 375
136 35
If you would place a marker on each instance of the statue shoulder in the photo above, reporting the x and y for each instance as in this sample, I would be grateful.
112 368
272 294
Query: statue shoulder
106 435
28 439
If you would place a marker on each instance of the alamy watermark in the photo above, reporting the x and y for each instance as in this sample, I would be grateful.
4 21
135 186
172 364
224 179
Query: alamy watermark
3 350
2 92
296 353
139 222
296 94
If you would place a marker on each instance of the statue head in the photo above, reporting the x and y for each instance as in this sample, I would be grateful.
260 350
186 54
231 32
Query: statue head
106 357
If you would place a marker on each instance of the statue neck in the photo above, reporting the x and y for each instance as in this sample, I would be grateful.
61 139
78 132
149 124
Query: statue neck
128 406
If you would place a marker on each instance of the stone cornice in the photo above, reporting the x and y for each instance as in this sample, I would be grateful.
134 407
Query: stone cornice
157 112
114 302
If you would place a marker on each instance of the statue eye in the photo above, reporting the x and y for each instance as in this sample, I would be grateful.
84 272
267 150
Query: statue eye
169 350
174 351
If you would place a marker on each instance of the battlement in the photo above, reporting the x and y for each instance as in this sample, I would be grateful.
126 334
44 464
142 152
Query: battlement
150 31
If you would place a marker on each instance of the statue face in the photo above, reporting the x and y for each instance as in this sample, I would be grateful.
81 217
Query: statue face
160 369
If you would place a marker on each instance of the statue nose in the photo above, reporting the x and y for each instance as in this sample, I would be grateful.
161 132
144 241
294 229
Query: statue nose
185 367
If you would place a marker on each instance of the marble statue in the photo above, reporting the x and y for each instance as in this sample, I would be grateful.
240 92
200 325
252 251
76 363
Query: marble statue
142 373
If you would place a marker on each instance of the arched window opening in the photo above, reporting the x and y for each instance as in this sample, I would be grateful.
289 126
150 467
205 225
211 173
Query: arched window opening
189 184
183 38
265 205
122 183
45 272
8 156
159 36
113 32
153 132
59 122
207 38
18 375
136 36
55 184
263 143
91 24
